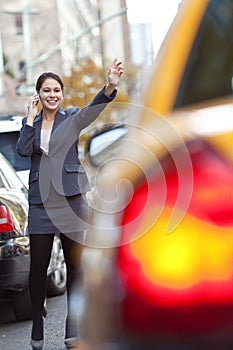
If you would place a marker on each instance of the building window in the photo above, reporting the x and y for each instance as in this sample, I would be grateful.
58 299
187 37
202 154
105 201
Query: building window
22 72
19 24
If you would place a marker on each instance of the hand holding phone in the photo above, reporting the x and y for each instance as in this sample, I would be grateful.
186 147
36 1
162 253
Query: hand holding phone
32 109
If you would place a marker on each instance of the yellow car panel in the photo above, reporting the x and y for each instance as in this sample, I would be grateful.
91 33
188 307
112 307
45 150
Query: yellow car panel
169 66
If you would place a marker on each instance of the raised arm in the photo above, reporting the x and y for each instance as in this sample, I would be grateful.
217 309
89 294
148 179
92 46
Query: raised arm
90 112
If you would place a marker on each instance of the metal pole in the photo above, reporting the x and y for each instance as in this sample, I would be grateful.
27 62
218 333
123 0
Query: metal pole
27 44
26 12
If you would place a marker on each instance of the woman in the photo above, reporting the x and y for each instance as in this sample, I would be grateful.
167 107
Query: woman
57 185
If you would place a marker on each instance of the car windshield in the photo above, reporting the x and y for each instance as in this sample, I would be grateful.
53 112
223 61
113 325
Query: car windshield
209 70
8 142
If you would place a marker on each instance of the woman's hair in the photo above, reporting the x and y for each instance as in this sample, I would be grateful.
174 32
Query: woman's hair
48 75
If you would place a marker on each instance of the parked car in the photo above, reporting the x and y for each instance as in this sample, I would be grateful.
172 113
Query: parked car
158 261
10 126
14 246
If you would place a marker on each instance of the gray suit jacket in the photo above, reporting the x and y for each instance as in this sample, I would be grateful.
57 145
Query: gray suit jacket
61 167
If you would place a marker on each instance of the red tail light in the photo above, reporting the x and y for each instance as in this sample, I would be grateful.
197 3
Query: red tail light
6 224
180 281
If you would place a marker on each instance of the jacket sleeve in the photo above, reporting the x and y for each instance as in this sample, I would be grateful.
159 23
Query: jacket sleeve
24 146
91 111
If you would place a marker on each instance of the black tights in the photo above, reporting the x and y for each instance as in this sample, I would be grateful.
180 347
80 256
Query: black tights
41 246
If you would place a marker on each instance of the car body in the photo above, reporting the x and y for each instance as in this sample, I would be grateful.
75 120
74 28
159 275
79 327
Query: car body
158 261
10 126
15 249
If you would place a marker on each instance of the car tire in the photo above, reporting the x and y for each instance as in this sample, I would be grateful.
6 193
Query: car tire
56 284
21 303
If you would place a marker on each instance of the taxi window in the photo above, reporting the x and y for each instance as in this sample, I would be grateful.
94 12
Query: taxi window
209 70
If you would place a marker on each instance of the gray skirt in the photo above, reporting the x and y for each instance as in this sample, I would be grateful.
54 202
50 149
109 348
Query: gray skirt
59 214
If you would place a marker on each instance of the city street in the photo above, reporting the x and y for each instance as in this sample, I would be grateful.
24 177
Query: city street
16 335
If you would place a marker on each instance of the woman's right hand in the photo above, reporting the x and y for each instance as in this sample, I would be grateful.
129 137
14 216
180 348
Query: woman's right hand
32 109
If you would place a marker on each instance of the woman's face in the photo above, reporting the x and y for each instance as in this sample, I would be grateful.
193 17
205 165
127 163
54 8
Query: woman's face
51 94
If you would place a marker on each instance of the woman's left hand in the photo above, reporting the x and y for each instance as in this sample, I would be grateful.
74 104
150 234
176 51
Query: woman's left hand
114 76
115 72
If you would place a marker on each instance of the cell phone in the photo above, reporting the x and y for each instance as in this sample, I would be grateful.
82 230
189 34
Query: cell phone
36 103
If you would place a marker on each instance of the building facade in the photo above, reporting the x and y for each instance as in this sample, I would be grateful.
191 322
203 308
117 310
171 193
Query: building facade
37 36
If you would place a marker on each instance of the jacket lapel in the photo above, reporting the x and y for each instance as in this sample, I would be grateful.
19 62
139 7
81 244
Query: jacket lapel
59 118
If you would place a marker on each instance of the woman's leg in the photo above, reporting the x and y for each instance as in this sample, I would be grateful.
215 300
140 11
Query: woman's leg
40 252
72 253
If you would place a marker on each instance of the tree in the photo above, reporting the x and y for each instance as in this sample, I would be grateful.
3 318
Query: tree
85 81
7 70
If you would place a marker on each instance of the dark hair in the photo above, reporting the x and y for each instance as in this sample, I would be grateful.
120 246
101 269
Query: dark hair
45 76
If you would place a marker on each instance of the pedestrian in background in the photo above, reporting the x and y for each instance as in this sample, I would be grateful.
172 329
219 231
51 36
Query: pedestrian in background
57 187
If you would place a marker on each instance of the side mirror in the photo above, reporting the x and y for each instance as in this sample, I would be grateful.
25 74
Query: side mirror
102 145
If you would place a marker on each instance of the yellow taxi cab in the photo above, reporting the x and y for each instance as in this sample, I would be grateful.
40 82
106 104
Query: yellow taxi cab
158 262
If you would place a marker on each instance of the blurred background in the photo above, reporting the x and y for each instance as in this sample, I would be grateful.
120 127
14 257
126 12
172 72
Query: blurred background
77 39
